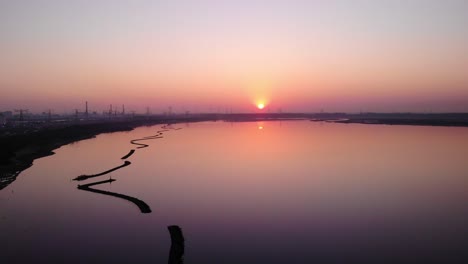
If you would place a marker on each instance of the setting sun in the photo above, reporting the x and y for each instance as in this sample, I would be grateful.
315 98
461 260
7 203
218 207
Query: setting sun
260 105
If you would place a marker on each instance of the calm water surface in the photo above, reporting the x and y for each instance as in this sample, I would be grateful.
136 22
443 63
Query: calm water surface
257 192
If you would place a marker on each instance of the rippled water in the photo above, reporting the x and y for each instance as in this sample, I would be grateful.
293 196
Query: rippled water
254 192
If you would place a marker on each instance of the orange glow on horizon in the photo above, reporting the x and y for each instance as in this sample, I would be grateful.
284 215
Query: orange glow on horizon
260 106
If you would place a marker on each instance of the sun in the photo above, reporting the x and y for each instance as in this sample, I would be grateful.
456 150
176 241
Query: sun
260 106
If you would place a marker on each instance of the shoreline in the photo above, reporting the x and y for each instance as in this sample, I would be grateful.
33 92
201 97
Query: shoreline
434 121
19 151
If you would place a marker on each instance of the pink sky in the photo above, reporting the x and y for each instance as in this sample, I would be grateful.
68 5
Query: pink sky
205 55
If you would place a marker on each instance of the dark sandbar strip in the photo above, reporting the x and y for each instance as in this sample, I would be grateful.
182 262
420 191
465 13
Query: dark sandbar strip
129 154
144 207
85 177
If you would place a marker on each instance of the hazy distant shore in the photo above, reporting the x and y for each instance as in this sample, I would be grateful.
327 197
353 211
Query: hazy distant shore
446 120
18 151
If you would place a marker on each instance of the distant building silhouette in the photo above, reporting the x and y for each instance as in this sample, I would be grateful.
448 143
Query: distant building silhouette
2 119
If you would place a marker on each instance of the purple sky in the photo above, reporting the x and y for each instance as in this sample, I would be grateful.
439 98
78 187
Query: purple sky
201 55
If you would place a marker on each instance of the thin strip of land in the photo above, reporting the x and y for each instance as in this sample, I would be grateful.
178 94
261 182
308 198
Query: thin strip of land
144 207
85 177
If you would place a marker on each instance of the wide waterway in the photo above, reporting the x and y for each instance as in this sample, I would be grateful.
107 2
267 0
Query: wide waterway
245 192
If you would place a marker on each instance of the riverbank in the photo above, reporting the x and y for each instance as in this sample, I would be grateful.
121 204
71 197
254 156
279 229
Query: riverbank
409 119
24 147
18 151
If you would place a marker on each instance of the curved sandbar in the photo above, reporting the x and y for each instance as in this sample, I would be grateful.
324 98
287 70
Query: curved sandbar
85 177
129 154
144 207
159 134
141 145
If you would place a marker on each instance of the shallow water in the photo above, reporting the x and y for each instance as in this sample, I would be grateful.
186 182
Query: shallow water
253 192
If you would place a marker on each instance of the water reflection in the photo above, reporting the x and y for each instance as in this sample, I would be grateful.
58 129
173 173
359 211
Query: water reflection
301 193
260 125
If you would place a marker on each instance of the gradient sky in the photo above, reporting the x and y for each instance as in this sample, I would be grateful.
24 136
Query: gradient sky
213 54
